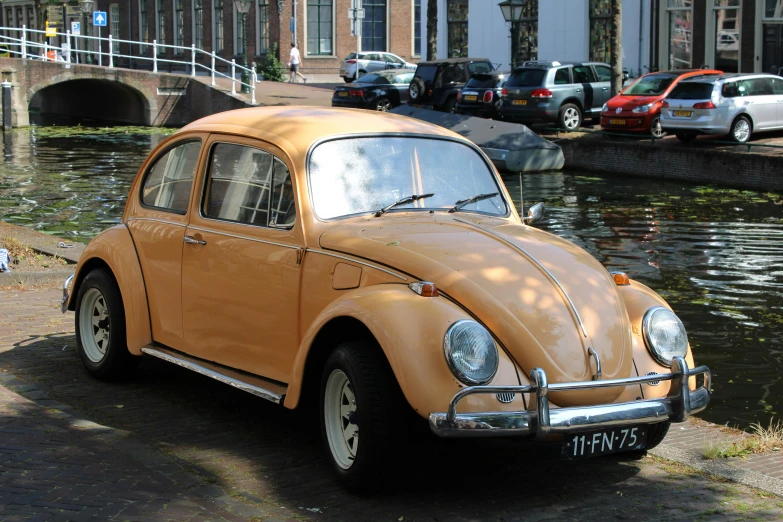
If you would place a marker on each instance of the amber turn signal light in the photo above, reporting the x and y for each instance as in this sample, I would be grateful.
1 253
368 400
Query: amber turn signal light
621 278
424 289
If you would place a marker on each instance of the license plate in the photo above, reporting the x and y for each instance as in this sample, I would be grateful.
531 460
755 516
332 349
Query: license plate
519 102
592 444
686 114
616 122
343 93
471 98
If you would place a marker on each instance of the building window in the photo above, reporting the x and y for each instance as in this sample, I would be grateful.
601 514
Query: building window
31 18
9 19
237 32
457 18
179 22
198 23
19 17
262 45
773 9
374 25
319 27
144 30
217 31
680 14
600 30
416 27
524 34
160 22
114 16
727 35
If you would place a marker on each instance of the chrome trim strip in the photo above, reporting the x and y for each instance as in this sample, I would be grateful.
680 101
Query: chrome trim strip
338 256
236 383
598 372
66 293
537 263
155 220
245 237
542 421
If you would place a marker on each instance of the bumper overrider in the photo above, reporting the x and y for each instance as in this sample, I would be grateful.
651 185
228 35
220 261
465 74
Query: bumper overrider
543 421
66 294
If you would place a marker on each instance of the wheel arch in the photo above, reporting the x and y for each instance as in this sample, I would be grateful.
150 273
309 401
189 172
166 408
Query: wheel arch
575 101
114 251
748 117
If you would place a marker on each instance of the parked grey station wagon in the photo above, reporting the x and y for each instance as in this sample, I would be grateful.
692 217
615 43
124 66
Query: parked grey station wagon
735 105
561 92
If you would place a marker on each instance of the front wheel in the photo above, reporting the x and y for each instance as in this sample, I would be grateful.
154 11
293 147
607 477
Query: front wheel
655 128
569 117
362 414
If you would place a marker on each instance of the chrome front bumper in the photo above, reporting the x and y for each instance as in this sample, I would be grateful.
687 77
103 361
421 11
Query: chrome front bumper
543 421
66 294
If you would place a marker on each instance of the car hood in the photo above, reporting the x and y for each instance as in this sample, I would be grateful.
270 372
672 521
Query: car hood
630 102
516 280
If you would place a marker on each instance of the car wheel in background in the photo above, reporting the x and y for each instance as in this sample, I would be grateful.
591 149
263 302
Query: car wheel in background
450 104
347 80
416 90
361 73
100 328
740 129
686 137
655 128
383 105
362 415
569 117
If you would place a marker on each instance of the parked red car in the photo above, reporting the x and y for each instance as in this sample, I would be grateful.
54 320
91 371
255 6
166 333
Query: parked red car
638 107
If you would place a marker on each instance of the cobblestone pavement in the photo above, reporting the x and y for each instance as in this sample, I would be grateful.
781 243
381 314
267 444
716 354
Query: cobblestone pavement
172 445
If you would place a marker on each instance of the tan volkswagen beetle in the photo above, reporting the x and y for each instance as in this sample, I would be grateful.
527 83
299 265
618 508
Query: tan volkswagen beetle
376 264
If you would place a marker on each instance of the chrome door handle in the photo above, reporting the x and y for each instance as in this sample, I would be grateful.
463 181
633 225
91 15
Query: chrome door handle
190 240
579 90
606 88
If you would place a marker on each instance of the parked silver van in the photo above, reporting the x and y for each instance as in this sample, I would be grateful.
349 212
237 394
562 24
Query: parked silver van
736 105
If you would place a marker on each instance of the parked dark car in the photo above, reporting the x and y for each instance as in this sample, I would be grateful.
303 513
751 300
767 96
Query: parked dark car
437 82
481 95
380 91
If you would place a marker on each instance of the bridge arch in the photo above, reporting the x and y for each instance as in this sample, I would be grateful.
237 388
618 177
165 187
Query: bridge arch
89 100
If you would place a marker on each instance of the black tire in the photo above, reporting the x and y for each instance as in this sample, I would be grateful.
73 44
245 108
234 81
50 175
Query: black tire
416 90
686 137
383 104
379 415
449 105
108 359
361 73
569 117
656 131
741 129
347 80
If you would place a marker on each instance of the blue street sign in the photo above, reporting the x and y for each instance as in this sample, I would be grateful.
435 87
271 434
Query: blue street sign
99 18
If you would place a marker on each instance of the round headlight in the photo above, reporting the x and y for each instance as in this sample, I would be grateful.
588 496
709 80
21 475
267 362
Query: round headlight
664 335
471 352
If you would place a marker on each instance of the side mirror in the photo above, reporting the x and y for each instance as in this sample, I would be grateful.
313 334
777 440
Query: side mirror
535 214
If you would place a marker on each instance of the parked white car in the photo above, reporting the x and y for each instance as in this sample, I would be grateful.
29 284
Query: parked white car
736 105
370 62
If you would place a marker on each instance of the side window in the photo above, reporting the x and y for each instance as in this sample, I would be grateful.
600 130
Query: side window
760 87
562 77
583 74
604 73
168 182
250 186
454 73
479 67
777 85
403 79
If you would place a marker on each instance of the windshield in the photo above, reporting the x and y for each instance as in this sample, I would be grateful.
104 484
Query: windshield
526 78
359 175
651 85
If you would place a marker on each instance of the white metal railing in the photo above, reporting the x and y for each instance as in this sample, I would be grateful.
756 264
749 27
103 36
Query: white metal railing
66 54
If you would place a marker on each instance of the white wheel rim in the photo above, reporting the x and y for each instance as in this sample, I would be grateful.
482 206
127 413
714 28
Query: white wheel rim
94 326
571 118
340 419
656 129
414 91
741 131
384 106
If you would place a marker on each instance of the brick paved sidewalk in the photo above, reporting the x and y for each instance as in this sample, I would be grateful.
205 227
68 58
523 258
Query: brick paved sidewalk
173 445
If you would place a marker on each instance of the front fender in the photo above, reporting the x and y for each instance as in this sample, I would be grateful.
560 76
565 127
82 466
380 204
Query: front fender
114 248
410 330
638 299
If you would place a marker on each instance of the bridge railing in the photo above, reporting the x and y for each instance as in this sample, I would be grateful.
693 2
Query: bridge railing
25 45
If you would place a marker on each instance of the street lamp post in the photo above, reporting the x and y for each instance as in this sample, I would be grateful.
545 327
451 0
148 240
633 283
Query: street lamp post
87 6
512 12
242 7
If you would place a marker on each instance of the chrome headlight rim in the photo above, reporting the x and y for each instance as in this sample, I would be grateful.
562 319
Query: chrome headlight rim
646 320
456 371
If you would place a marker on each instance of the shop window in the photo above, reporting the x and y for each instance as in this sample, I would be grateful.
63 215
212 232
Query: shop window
600 30
262 46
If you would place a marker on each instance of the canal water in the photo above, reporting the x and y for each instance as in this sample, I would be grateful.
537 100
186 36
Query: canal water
716 254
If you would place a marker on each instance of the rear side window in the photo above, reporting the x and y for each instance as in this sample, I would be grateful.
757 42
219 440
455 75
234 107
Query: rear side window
479 67
484 81
426 72
604 73
168 182
583 74
777 85
733 90
692 91
250 186
453 73
526 78
562 76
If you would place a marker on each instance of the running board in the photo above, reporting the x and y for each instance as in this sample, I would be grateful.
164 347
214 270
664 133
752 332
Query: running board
255 385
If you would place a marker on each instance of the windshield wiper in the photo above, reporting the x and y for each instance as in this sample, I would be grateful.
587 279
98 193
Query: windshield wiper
461 203
403 201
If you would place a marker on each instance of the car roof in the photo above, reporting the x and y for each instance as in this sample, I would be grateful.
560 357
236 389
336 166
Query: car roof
730 76
453 60
546 64
491 73
295 129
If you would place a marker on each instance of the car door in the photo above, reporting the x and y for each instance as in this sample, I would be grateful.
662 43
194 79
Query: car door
158 224
374 62
762 103
584 78
241 261
401 82
777 89
603 87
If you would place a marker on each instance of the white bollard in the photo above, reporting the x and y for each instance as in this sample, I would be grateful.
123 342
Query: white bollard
233 76
213 70
46 51
154 56
193 61
111 53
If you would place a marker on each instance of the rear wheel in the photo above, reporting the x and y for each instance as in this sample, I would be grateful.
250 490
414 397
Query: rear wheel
569 117
686 137
347 80
740 129
655 128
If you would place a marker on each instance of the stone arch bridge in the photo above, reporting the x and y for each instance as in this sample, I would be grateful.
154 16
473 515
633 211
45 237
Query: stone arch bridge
49 93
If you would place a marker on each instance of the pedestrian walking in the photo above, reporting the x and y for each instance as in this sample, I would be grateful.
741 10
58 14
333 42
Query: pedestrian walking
293 65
